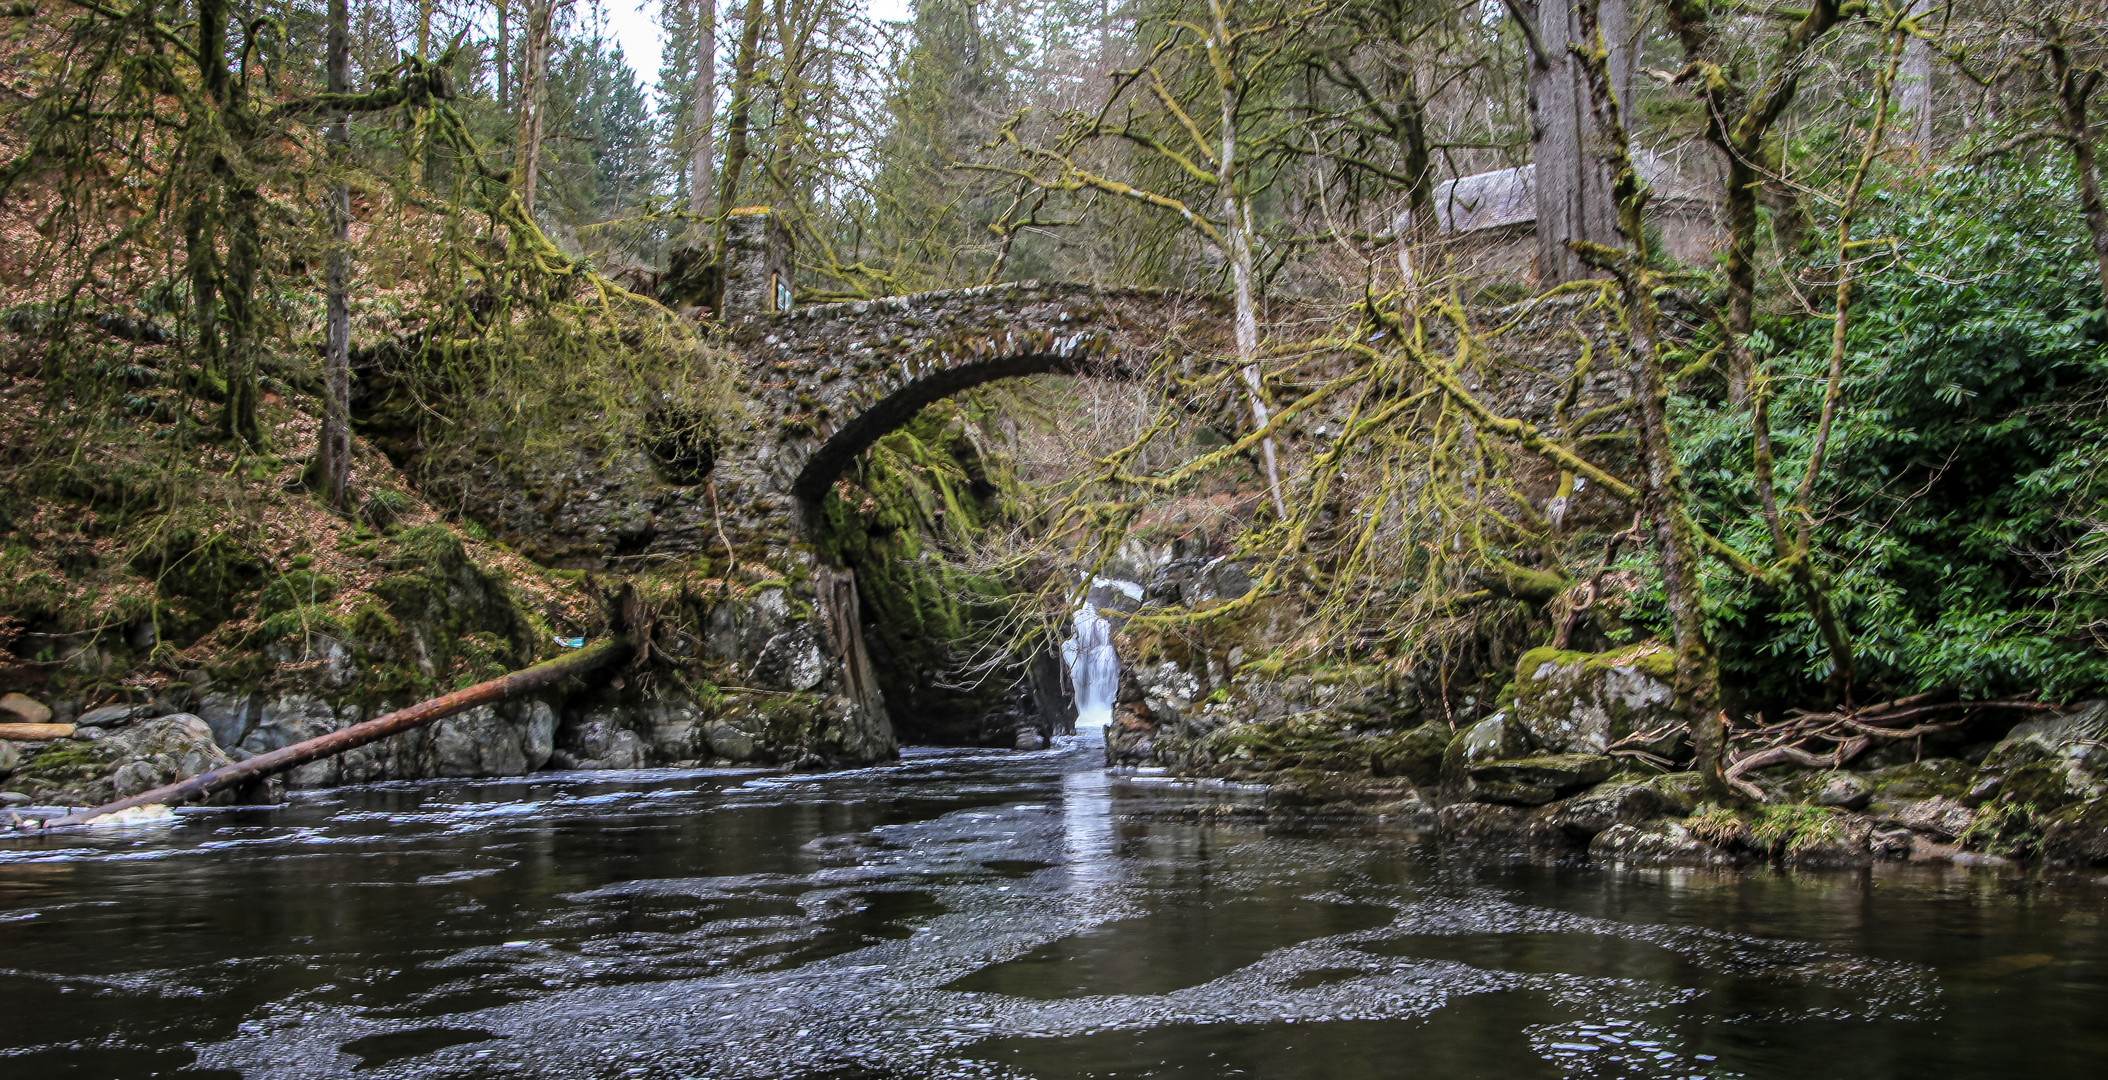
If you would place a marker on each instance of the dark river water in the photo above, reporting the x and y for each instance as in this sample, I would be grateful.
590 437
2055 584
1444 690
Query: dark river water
980 914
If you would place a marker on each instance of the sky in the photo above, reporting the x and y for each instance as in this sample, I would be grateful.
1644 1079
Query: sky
635 25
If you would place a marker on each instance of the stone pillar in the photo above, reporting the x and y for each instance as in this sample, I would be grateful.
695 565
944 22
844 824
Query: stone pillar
758 263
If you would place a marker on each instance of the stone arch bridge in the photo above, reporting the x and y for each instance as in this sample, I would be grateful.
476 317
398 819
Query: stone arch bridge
822 384
826 382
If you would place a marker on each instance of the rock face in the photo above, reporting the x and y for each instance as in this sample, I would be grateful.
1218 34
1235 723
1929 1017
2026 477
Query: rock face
2044 790
1534 781
1582 703
1655 843
140 758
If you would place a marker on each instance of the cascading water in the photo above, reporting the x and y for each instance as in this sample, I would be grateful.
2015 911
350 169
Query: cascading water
1094 669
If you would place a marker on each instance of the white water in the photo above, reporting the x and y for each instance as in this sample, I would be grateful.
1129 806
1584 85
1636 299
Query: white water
1093 667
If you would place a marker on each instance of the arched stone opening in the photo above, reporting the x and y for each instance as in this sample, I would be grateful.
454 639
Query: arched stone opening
890 413
924 613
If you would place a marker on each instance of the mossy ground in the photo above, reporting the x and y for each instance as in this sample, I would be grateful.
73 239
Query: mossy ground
149 553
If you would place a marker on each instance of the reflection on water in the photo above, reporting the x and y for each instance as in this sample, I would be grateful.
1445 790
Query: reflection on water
981 914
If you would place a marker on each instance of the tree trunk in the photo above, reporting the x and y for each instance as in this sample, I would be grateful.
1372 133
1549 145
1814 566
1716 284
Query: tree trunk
2074 93
504 57
1237 211
742 107
1663 497
702 154
235 220
1914 92
1571 185
532 105
335 448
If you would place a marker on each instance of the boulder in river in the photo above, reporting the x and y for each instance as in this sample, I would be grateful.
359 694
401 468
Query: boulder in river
599 741
1582 703
1486 830
1620 802
1662 842
1940 816
1415 755
1496 738
139 758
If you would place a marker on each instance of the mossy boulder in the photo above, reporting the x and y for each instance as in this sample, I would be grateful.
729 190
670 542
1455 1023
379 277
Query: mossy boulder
140 758
2078 834
1496 738
1315 740
1613 803
1575 702
1415 755
1900 785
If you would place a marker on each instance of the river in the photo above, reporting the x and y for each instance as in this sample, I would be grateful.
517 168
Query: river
990 914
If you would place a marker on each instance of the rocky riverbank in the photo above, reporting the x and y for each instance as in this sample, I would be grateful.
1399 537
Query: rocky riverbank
1579 757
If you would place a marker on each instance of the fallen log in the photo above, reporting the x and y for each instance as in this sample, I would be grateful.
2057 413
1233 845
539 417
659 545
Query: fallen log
588 659
35 732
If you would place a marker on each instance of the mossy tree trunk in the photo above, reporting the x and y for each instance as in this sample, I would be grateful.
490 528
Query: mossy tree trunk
335 448
1664 497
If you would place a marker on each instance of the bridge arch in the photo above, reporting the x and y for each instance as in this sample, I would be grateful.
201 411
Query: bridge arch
893 411
831 380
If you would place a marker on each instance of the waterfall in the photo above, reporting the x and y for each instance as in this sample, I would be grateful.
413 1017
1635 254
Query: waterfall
1093 667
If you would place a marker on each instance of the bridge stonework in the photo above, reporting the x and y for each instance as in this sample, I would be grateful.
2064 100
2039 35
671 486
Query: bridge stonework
821 385
826 382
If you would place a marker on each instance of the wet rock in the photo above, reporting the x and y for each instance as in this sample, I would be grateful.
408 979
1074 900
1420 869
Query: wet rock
291 718
2063 758
477 743
1623 802
731 741
1193 582
1537 780
1655 843
1031 740
2078 835
1893 845
144 756
1846 842
1574 702
113 716
1910 781
1129 740
598 741
10 757
1496 738
1845 791
23 709
231 716
1168 691
1939 816
1486 829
